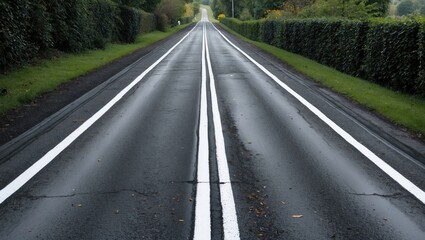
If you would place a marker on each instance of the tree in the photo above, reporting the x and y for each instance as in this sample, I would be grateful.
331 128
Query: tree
245 15
382 7
295 6
131 3
150 5
406 7
340 8
173 9
146 5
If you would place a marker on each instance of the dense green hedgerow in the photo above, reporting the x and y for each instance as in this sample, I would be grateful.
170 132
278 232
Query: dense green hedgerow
420 82
14 33
28 27
185 20
102 25
129 24
390 52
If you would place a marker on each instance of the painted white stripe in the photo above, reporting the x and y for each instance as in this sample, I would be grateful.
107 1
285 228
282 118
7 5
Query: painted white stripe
202 228
17 183
390 171
230 220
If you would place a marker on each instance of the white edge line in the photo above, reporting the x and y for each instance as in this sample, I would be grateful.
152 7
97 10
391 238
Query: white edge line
202 228
230 220
390 171
18 182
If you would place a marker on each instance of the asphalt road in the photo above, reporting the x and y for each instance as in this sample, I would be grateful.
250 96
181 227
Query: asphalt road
198 141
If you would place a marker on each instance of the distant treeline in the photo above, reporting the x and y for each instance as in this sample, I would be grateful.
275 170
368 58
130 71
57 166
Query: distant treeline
29 27
390 52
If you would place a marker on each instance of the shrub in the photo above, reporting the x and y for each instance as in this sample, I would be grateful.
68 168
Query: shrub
14 43
185 20
70 22
29 27
129 24
420 81
148 22
102 14
161 21
390 52
39 26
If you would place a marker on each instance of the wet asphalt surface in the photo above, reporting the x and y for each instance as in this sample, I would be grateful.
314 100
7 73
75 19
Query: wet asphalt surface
132 175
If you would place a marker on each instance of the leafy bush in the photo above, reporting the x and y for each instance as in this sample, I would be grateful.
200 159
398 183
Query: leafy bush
352 38
390 52
161 21
267 31
148 21
129 24
102 22
185 20
14 43
28 27
70 21
40 28
173 9
420 81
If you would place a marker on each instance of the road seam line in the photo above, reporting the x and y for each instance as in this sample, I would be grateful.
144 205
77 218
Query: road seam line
202 228
24 177
390 171
230 220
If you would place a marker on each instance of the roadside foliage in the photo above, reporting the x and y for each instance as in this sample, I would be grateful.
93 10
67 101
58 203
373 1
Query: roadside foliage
390 52
29 27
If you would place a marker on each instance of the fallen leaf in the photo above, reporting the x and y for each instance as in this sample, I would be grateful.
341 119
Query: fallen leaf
297 216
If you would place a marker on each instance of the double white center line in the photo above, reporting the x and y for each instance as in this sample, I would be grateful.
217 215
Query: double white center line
202 228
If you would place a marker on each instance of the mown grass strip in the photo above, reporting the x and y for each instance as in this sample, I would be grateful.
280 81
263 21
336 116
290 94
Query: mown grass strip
25 84
401 109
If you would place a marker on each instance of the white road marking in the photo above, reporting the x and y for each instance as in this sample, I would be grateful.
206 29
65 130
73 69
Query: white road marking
17 183
202 228
390 171
230 220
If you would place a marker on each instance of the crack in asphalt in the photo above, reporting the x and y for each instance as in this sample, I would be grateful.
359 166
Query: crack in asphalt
393 195
35 197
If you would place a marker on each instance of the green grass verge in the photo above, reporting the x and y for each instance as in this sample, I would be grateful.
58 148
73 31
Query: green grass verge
28 82
402 109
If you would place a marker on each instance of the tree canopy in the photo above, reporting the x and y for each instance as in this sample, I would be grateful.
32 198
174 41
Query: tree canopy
256 9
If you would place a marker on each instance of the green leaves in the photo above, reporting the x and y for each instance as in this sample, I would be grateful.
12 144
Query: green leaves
29 27
390 52
392 56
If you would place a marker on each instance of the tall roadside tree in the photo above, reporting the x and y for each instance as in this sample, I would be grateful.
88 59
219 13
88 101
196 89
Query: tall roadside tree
131 3
382 7
340 8
406 7
170 11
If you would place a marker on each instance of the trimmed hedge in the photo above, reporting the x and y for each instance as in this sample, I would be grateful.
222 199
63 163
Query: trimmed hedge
29 27
185 20
14 33
390 52
128 24
420 82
